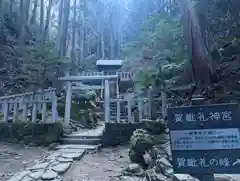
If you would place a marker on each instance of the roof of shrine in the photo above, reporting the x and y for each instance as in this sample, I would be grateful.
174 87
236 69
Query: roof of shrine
110 62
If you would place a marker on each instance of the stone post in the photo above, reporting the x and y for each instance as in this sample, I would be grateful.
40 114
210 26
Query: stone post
106 101
68 104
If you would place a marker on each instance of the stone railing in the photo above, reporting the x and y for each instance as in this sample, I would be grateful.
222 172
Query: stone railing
136 108
26 106
125 107
126 76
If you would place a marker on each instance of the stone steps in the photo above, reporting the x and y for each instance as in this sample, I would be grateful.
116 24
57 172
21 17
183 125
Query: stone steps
79 147
82 136
80 141
88 139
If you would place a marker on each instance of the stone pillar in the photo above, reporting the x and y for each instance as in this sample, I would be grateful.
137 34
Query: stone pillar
106 102
129 107
150 101
68 104
118 102
164 105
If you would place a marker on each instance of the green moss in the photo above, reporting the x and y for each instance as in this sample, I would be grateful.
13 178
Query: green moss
37 133
140 142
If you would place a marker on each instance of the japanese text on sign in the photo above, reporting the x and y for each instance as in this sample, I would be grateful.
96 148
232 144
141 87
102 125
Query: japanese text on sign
205 139
203 162
201 116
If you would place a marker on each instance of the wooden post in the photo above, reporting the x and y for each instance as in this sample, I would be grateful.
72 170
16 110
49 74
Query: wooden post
6 110
118 102
129 106
150 102
164 105
106 101
68 104
207 177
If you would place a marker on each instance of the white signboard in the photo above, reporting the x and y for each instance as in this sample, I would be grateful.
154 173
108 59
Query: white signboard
205 139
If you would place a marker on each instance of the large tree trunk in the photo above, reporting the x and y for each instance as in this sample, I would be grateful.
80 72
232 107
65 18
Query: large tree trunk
11 5
200 59
64 35
49 9
73 53
1 7
81 30
102 43
60 24
22 24
41 29
34 13
27 6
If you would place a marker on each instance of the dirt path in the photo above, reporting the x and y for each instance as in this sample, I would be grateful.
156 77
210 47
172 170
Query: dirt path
101 166
14 158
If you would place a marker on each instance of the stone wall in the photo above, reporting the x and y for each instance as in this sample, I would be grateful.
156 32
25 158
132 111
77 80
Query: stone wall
31 133
120 133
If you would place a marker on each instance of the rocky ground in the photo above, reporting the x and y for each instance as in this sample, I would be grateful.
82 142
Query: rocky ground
64 164
14 158
100 166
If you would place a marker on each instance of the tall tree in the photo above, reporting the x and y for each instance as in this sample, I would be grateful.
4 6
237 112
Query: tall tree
200 59
73 53
41 29
60 24
81 30
65 21
34 12
49 9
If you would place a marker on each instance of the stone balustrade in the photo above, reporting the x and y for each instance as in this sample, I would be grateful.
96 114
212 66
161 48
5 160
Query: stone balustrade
21 106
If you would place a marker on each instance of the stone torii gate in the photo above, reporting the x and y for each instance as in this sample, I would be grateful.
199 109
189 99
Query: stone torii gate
73 79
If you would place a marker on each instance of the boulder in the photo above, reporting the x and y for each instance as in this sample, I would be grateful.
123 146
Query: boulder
140 143
134 168
154 126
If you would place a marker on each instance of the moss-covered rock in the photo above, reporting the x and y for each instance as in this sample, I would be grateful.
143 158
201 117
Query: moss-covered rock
34 133
140 143
154 126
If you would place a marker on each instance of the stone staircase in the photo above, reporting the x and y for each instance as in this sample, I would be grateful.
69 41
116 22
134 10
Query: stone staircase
89 139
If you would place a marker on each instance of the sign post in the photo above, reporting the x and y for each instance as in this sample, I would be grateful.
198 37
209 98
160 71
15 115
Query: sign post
205 139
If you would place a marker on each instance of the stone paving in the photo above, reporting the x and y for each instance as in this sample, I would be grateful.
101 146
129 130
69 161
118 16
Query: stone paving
51 167
56 163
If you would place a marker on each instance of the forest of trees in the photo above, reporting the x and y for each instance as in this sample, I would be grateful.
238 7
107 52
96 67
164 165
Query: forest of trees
42 39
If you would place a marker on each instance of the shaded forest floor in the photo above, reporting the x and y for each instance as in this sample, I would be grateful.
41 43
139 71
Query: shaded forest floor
14 158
